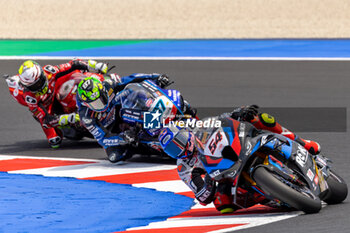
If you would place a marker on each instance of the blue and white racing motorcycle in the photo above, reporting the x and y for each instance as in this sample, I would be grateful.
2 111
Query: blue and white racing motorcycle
146 108
267 167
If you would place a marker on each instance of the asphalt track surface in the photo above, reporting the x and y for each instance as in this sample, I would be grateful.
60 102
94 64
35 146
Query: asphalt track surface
217 84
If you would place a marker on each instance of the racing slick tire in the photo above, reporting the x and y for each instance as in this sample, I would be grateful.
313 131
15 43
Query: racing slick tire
337 189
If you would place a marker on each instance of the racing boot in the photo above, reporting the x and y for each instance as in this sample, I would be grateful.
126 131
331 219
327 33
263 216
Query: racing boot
223 199
54 137
55 142
313 147
265 121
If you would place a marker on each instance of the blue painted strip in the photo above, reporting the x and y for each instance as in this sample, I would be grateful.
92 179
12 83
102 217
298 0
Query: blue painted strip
219 48
31 203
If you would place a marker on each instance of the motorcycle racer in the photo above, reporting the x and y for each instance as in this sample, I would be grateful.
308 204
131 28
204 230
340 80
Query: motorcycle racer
179 143
35 87
99 102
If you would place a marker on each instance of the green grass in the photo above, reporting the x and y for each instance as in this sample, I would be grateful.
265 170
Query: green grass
29 47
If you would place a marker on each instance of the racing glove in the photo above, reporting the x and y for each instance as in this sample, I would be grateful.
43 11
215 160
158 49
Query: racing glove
97 67
188 110
50 121
66 119
130 137
245 113
205 188
164 81
78 64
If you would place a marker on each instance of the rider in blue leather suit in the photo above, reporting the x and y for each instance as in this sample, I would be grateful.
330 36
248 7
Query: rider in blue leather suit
99 102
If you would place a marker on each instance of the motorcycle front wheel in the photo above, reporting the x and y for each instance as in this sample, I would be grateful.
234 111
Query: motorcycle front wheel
337 189
279 190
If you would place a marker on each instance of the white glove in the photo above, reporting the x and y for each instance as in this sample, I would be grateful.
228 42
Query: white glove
66 119
97 67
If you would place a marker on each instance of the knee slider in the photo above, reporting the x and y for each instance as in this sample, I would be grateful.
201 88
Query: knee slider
267 120
115 154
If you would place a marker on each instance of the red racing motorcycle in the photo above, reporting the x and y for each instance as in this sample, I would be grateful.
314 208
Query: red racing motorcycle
64 101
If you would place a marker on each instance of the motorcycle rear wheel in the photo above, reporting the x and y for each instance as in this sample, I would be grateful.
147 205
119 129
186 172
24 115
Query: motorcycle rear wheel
277 189
337 189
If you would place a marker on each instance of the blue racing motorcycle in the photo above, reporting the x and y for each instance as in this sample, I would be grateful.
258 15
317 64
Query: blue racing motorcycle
147 108
267 167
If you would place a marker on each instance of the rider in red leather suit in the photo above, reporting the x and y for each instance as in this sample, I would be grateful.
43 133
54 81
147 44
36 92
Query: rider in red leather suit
36 87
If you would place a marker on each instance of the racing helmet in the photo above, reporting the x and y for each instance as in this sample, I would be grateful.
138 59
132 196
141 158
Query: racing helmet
93 94
177 142
33 78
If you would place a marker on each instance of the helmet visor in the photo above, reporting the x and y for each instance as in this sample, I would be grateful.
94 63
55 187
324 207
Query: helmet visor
99 104
40 85
177 146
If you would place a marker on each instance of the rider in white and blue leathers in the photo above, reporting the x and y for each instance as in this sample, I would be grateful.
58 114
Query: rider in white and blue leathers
99 102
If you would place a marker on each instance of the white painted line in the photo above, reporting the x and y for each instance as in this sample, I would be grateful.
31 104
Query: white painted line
179 58
94 170
197 205
254 222
175 186
4 157
250 220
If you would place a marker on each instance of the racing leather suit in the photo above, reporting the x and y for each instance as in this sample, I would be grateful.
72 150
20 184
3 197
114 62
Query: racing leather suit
107 127
41 106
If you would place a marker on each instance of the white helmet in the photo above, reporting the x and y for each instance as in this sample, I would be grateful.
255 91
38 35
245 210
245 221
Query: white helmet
32 76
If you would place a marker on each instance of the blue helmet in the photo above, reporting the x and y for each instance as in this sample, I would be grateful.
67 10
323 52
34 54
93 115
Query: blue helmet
177 142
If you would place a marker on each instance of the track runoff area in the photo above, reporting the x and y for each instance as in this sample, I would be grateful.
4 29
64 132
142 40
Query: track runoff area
92 195
102 197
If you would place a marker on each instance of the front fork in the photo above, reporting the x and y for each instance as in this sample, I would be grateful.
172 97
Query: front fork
298 178
323 164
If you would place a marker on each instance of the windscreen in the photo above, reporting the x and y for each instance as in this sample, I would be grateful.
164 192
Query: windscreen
70 85
138 97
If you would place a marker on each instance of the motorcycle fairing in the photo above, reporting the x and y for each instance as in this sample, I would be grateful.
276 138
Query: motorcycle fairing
281 144
235 139
293 152
131 116
153 144
219 168
173 95
165 107
211 157
216 142
65 90
153 132
148 97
